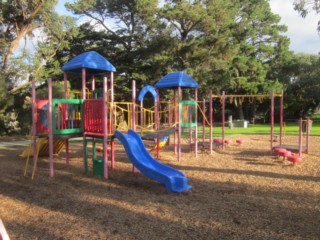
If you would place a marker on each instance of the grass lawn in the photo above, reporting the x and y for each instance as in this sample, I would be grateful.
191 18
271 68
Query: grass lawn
290 128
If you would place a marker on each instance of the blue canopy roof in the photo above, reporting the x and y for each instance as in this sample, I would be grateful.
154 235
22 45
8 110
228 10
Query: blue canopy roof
145 90
176 79
92 61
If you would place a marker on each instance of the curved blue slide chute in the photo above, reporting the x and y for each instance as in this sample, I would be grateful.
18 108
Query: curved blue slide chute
174 180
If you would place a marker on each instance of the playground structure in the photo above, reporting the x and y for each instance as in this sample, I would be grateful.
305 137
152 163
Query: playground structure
42 149
209 122
95 116
174 180
304 127
251 98
293 153
285 150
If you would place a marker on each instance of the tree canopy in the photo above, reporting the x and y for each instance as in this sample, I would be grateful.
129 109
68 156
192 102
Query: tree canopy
302 91
237 46
31 33
223 44
306 6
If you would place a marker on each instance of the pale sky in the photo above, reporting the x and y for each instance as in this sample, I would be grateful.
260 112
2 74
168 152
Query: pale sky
301 31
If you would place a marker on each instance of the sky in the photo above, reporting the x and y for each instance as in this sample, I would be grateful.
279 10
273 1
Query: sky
301 31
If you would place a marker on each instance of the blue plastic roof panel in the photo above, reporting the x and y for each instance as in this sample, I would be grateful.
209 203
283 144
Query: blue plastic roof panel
145 90
176 79
92 61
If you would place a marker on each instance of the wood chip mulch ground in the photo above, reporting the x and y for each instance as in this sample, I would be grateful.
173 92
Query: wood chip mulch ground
240 193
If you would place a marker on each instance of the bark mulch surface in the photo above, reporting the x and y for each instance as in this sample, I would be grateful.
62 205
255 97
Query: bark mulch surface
240 193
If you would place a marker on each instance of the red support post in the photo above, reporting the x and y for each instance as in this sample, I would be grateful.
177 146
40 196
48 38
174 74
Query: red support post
66 95
271 121
111 110
134 105
175 119
169 119
300 137
105 130
281 117
309 121
34 120
133 112
93 84
83 83
211 120
50 133
223 117
196 127
179 123
157 121
203 121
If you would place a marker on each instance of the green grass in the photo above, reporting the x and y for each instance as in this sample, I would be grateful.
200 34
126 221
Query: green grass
316 117
290 129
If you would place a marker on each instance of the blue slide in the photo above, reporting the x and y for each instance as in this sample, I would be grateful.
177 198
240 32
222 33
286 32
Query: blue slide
174 180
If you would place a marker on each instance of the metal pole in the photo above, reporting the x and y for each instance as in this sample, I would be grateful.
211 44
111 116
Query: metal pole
300 137
203 121
34 128
83 83
169 119
50 115
105 129
133 112
196 119
179 123
211 121
281 116
175 119
157 123
66 96
93 85
111 120
133 105
308 134
223 117
271 121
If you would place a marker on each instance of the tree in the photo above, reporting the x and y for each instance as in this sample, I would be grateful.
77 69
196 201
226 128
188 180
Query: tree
305 6
121 31
19 20
302 92
59 31
22 18
201 39
258 35
237 41
262 50
230 45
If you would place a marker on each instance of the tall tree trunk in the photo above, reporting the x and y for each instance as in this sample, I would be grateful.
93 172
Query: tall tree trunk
253 112
240 110
28 18
14 46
